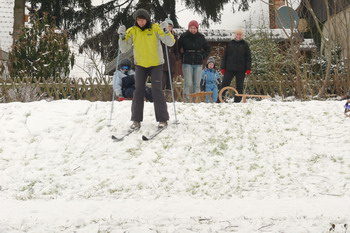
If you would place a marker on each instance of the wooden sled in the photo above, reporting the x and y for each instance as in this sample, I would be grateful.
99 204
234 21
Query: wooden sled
232 92
200 97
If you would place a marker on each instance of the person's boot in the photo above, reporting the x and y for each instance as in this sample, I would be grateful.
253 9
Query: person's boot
135 125
162 124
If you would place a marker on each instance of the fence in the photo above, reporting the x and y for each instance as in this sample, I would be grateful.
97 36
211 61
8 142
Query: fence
338 86
94 89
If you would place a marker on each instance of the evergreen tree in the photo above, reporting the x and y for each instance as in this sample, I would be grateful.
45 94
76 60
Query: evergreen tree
79 16
106 43
41 51
267 60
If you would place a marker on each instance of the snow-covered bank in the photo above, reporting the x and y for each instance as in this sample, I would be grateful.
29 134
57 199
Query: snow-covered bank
255 167
174 215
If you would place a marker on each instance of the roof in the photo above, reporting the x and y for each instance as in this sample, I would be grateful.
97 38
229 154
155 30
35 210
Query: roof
215 35
6 24
111 66
308 44
4 56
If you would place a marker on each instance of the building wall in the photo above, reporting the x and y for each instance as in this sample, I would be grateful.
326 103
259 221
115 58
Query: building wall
337 29
273 7
6 24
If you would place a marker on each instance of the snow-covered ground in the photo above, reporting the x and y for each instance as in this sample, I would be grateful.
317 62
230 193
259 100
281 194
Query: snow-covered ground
263 166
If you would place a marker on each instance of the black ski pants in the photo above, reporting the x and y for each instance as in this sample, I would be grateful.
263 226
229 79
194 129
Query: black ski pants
160 106
228 76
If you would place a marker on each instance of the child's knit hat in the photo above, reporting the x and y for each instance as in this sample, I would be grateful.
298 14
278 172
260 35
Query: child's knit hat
211 60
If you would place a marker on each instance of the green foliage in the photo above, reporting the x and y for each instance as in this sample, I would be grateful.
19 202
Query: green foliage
80 16
61 12
318 63
41 51
211 9
267 60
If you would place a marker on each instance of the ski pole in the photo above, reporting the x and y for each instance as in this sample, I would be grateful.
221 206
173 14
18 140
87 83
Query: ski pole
113 94
170 81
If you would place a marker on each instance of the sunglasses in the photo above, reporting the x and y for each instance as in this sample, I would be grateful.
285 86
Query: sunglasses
124 67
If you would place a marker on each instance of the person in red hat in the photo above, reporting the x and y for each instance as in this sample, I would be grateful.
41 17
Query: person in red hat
194 49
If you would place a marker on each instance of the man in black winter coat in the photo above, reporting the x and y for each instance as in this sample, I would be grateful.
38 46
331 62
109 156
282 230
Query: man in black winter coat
194 49
236 62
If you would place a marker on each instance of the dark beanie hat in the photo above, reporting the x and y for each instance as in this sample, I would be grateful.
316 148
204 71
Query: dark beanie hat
124 62
193 23
142 13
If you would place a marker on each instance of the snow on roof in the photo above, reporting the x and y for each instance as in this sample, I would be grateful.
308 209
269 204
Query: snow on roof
216 35
6 24
308 44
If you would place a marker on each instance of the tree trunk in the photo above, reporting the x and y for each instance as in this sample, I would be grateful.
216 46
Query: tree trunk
18 14
328 54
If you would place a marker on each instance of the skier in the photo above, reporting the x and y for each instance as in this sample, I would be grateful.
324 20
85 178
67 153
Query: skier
145 38
124 82
210 79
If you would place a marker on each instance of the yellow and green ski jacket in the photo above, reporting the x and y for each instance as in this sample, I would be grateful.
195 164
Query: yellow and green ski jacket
147 47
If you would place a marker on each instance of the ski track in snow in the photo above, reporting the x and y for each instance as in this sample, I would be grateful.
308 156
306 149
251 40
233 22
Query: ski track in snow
263 166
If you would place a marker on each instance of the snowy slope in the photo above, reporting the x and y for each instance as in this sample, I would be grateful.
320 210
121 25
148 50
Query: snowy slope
263 166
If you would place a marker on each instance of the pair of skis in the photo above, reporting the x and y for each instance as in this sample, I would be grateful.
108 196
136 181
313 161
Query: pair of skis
144 138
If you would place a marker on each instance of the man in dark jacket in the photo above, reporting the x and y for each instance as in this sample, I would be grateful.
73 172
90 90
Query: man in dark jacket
236 62
194 49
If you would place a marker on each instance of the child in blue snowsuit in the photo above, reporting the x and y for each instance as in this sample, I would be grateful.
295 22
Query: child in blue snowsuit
210 80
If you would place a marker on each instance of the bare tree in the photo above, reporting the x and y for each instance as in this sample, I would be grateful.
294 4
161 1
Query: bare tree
334 32
18 12
293 49
94 66
337 31
328 48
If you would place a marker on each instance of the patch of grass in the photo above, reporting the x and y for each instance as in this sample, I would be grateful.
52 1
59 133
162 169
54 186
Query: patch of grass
167 145
115 190
157 159
28 191
253 166
216 151
291 129
134 152
316 158
99 129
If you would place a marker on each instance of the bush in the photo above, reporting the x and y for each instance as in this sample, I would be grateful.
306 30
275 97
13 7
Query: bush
41 51
25 93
